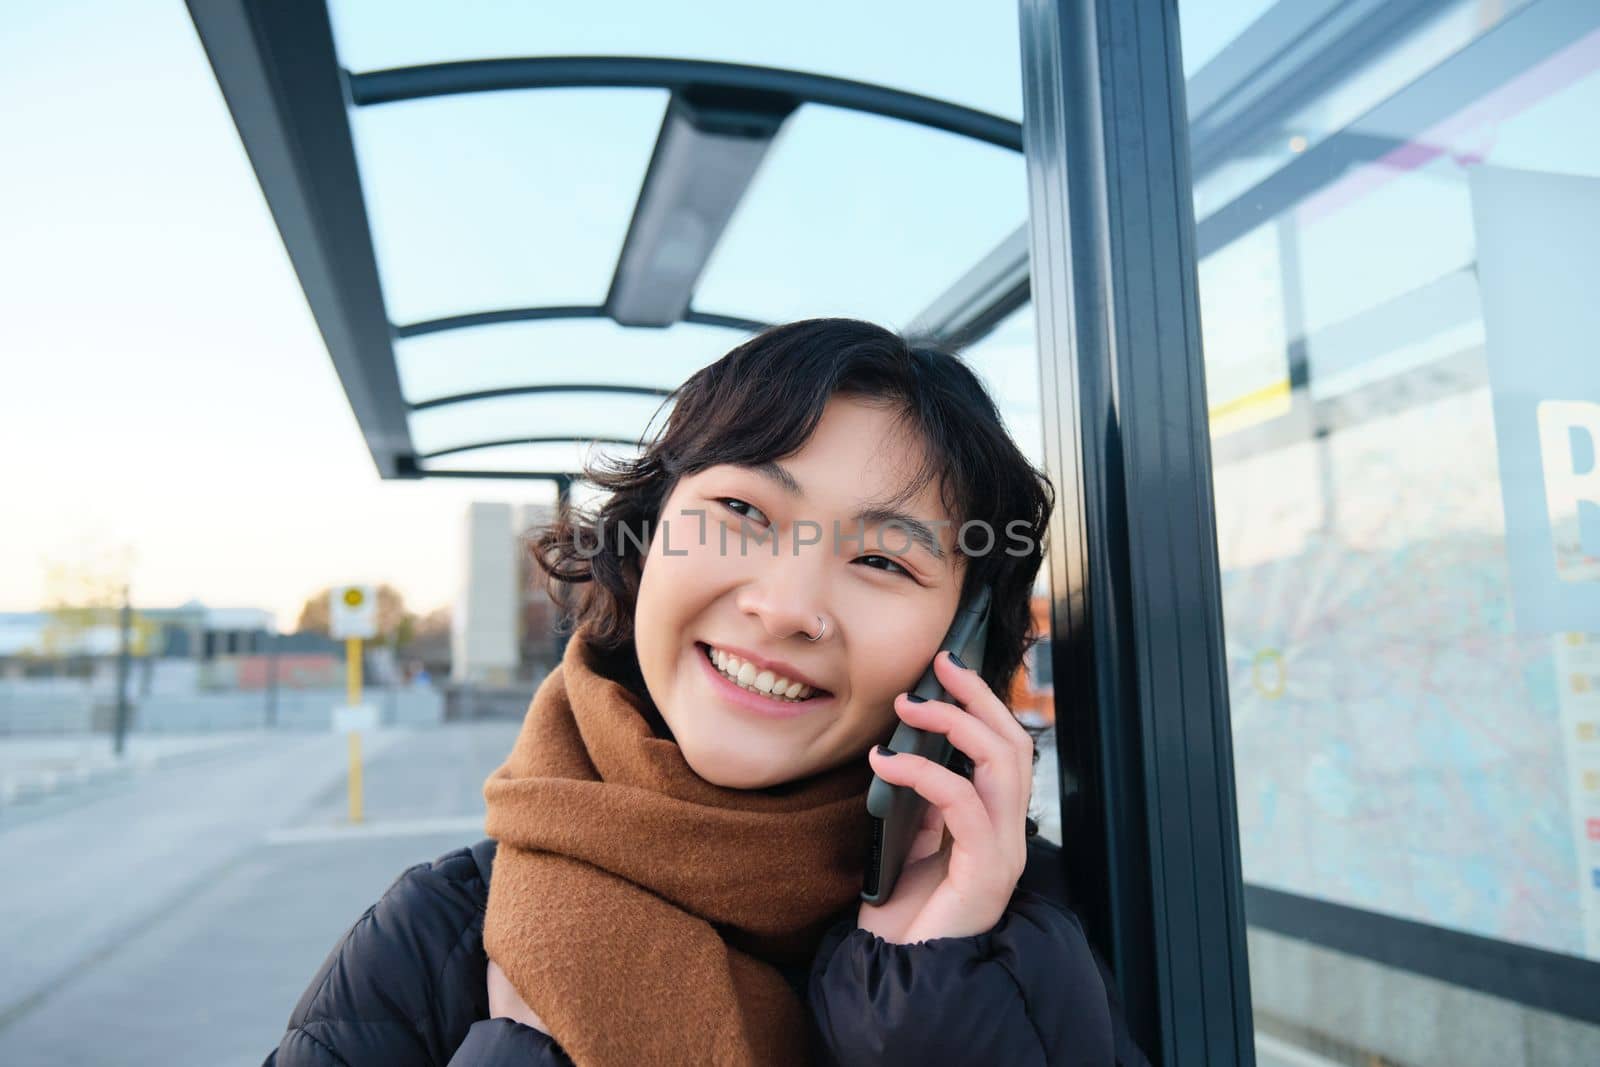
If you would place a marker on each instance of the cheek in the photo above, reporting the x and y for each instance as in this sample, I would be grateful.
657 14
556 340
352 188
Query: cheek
654 616
891 663
674 587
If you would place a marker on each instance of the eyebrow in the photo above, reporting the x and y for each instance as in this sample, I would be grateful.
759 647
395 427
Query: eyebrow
873 514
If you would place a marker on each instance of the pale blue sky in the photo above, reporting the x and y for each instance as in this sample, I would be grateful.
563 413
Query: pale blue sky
165 386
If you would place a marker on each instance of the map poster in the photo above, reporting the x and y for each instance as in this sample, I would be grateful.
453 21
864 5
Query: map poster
1538 239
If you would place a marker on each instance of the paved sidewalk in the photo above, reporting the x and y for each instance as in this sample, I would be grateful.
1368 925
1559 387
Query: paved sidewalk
32 768
175 916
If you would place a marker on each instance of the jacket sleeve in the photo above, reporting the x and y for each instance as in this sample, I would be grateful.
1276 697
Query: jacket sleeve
1027 992
398 988
504 1042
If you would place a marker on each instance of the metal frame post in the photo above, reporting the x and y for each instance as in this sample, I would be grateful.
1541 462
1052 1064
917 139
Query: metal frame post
1148 814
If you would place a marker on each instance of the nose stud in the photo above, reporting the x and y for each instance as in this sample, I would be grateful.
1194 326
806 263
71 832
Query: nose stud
820 632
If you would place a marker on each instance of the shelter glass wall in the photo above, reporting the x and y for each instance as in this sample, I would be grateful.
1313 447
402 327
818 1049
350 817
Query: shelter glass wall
1397 208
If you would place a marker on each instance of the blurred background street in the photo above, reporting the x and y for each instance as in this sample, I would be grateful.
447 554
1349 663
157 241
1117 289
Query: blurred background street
219 870
218 877
345 302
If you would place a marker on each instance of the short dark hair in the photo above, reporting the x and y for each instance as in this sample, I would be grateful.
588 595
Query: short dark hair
761 402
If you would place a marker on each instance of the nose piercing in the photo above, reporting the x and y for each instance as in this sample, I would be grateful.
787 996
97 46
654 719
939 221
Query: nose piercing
820 632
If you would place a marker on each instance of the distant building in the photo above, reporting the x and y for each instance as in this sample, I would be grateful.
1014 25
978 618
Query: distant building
191 631
501 625
184 649
483 626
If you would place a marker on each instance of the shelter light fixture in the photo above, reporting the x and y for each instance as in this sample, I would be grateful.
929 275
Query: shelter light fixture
710 145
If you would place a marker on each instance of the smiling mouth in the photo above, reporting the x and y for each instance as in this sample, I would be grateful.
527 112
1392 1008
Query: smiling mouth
752 679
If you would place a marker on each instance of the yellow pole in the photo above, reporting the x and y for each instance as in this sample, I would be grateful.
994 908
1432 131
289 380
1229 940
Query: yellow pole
352 659
355 776
352 673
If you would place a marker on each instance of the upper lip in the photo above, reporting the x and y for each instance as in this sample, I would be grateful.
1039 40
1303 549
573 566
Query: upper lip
776 666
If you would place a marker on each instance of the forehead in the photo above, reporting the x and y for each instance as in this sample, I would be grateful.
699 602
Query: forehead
865 452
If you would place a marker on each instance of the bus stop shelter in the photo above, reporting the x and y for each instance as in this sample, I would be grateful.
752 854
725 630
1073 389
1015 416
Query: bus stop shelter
453 371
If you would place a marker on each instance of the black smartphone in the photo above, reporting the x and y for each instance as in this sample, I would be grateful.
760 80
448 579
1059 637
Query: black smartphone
897 810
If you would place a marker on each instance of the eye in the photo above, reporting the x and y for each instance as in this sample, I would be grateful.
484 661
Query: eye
725 502
891 563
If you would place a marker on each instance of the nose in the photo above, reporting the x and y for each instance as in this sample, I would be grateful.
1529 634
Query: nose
785 597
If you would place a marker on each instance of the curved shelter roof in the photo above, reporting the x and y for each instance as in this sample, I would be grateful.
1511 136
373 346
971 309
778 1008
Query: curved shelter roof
518 237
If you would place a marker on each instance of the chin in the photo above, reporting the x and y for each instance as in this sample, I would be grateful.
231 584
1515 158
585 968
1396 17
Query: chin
731 772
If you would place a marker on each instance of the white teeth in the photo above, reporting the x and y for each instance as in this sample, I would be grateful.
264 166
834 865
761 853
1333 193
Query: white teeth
758 681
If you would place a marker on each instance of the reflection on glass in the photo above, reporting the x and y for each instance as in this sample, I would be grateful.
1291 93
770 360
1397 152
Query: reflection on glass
965 53
898 216
584 415
524 353
1398 341
502 200
1007 362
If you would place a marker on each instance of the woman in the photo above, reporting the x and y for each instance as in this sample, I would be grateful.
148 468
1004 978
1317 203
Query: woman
676 841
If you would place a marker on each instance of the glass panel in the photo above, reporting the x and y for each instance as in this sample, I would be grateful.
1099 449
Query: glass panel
552 458
1007 360
502 200
963 52
1343 109
583 415
1203 38
856 215
581 350
1399 323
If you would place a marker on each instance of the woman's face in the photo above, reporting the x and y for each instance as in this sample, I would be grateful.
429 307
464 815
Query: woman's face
708 583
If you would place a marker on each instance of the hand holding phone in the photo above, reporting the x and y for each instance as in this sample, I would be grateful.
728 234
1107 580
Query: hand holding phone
897 811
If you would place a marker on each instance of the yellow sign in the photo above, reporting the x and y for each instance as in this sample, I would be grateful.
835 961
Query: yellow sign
352 612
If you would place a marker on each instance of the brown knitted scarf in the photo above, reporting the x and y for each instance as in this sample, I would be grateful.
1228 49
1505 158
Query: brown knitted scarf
640 909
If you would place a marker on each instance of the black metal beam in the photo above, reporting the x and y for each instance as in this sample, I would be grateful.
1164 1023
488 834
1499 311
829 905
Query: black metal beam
275 63
541 476
1538 978
559 312
644 72
533 390
979 300
470 319
729 322
1143 735
706 154
554 440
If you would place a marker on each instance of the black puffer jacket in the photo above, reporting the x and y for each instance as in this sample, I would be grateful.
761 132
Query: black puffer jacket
406 986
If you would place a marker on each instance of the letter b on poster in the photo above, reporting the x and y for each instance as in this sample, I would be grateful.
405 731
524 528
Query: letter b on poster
1539 273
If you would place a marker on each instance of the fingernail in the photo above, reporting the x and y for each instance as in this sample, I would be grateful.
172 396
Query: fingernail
957 661
914 699
885 750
